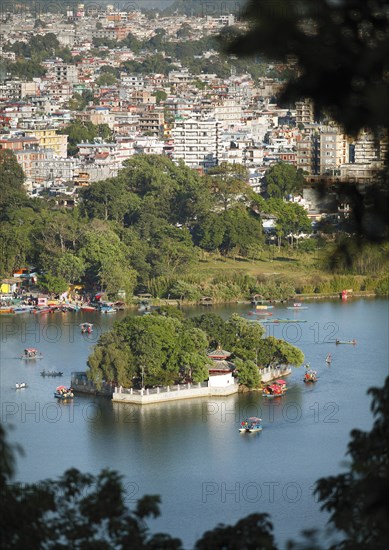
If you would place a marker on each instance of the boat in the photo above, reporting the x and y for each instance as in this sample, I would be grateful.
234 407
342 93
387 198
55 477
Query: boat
62 392
251 425
284 321
88 307
51 373
297 306
276 389
31 353
260 313
108 310
22 309
310 376
261 306
20 386
353 342
86 328
328 358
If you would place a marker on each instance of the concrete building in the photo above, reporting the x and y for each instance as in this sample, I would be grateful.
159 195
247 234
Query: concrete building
49 139
333 150
197 142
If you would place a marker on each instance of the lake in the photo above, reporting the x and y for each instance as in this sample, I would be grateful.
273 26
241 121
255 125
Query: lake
190 452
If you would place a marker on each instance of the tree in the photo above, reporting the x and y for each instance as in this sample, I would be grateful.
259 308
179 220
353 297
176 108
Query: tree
53 283
75 511
229 183
357 500
247 373
274 352
255 532
350 44
12 192
283 179
69 267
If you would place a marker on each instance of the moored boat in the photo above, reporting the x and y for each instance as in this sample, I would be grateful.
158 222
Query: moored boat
251 425
262 306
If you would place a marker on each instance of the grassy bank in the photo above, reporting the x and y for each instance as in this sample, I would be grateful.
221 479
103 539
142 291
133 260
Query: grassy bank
275 277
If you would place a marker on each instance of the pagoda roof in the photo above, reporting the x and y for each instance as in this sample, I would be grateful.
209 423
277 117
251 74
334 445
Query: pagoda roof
219 353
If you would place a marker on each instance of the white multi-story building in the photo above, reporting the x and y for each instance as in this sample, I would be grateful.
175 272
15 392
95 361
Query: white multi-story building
197 142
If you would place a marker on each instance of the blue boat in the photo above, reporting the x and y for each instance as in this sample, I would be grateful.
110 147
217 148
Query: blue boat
251 425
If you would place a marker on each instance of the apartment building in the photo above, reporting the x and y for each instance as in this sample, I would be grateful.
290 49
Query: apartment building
304 112
152 122
334 150
49 139
197 142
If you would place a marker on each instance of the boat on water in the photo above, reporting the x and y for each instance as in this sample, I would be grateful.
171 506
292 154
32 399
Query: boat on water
284 321
86 328
310 376
262 306
31 353
251 425
276 389
62 392
88 307
20 386
329 358
264 313
297 306
22 309
353 342
51 373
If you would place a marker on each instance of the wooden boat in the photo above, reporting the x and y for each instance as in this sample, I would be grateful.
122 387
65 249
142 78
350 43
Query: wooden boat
353 342
31 353
51 373
62 392
310 376
251 425
20 386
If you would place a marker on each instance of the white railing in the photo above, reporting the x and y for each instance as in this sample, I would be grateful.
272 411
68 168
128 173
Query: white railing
162 389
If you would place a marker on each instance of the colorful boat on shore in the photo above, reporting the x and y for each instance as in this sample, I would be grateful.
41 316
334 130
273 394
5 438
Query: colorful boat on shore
31 353
251 425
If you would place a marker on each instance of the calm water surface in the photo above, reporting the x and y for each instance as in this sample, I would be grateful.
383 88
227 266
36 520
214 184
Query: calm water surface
191 452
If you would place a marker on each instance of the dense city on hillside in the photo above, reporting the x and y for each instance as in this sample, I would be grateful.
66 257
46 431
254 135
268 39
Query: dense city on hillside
155 85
